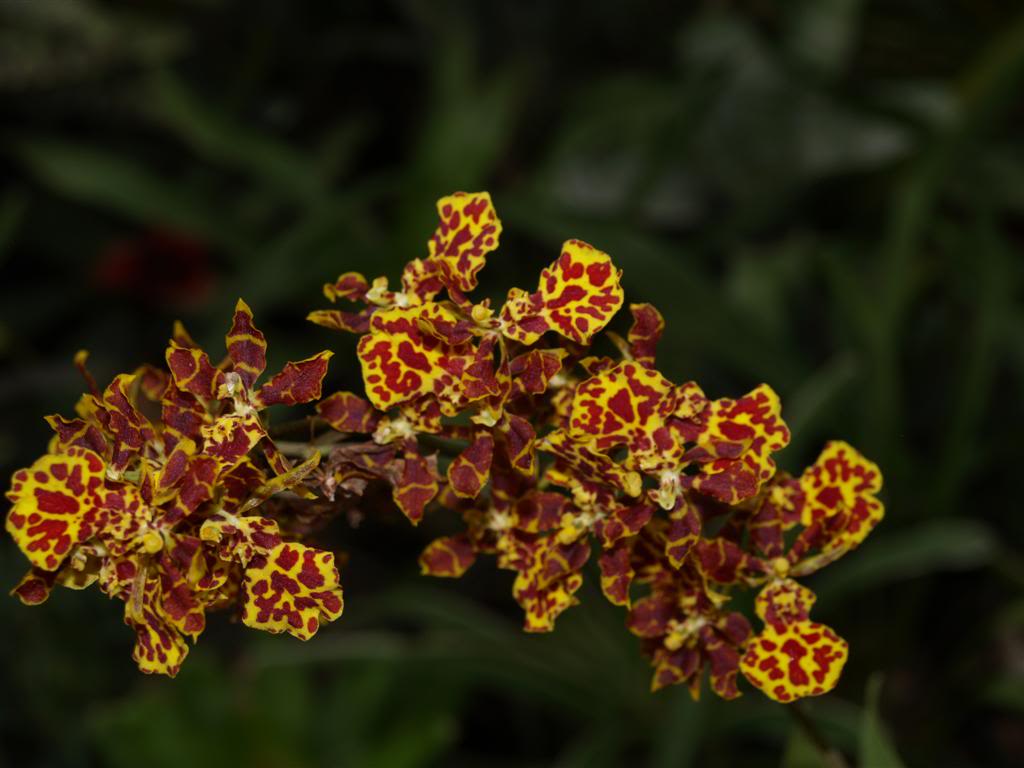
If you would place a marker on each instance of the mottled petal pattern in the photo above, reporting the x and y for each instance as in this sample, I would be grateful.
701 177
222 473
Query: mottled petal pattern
247 346
628 405
468 230
55 505
297 383
578 295
448 556
293 589
791 661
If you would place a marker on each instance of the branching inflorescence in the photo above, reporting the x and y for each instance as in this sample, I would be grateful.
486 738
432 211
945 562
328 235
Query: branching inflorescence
169 492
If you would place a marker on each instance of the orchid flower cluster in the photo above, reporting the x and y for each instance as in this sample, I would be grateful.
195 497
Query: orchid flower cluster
168 490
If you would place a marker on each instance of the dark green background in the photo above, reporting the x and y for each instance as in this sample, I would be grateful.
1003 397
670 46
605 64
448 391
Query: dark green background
827 195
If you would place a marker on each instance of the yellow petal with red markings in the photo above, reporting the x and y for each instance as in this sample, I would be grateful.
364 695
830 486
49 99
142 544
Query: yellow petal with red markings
448 556
55 505
585 460
628 405
616 575
842 483
241 538
469 471
792 661
292 589
347 412
247 346
784 601
578 295
229 439
401 363
192 371
547 578
644 333
159 647
337 320
351 286
297 383
735 440
468 230
414 483
421 280
35 586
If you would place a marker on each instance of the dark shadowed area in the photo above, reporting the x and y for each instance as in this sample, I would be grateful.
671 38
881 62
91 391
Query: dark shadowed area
826 195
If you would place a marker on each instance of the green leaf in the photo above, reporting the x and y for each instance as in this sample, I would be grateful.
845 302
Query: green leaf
801 753
677 740
949 544
876 748
231 144
416 741
821 392
822 33
109 181
597 748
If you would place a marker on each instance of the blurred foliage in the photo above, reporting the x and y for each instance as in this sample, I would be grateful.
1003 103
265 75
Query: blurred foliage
827 195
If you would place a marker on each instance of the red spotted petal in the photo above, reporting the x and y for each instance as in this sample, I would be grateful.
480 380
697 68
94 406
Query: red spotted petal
533 371
183 416
293 589
299 382
616 575
55 505
128 427
152 382
401 363
673 667
468 472
778 511
578 295
586 461
159 647
789 662
622 522
239 483
468 230
649 617
724 561
415 484
683 532
337 320
421 280
520 442
241 537
724 661
351 286
839 490
35 586
539 511
229 439
193 372
734 442
347 412
247 346
628 405
449 556
77 433
547 580
644 334
784 601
